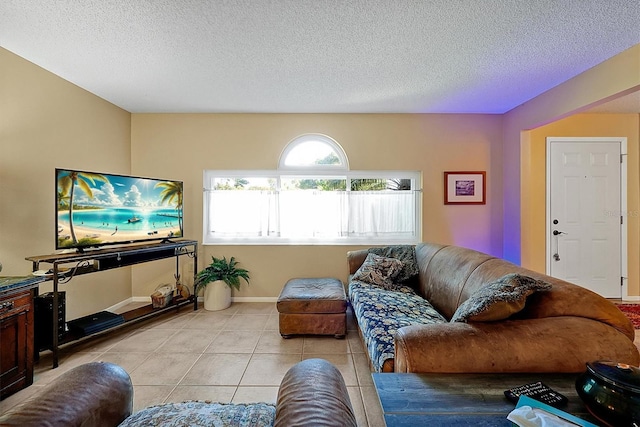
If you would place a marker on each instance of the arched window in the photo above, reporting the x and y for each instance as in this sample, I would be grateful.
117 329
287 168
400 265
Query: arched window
313 151
312 198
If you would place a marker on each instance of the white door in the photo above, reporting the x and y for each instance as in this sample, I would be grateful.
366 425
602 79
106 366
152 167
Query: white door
585 213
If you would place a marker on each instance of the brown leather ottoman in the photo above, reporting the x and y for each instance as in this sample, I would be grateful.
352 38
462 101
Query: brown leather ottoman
314 306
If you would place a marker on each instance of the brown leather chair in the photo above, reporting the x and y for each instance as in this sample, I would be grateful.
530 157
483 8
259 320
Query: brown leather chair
100 394
313 393
93 394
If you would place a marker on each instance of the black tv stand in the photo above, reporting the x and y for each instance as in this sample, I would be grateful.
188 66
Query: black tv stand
102 259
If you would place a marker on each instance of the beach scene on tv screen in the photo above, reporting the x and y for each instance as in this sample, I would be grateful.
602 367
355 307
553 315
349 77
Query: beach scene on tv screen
96 209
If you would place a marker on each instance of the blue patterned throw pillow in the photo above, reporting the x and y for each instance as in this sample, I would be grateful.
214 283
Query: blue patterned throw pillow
378 270
499 300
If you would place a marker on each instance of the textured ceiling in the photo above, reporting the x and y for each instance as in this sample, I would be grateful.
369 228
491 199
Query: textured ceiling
463 56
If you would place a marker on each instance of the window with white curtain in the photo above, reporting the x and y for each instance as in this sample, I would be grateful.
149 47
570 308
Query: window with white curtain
312 198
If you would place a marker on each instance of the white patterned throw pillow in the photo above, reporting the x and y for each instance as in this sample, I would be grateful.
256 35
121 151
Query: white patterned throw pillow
379 270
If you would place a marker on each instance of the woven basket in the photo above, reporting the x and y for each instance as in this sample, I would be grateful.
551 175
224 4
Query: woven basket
162 296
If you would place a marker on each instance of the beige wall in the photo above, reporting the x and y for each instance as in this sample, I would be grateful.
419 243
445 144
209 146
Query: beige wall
610 79
181 146
534 179
46 122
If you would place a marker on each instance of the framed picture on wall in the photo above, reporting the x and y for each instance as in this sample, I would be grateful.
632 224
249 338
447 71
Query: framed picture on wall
465 188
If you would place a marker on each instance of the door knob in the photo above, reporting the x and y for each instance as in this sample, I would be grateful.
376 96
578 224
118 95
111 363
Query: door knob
556 232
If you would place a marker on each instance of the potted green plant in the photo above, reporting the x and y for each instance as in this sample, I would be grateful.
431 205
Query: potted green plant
217 279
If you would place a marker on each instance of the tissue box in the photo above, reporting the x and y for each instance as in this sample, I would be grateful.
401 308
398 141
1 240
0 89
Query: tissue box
564 418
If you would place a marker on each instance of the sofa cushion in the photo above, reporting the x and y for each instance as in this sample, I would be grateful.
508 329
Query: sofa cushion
378 270
406 254
444 271
381 312
499 300
200 413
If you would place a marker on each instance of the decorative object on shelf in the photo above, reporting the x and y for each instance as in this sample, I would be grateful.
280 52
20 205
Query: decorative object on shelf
162 296
217 279
181 290
465 188
611 392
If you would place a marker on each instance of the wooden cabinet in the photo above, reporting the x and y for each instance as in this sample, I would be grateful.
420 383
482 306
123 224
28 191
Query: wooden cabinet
16 341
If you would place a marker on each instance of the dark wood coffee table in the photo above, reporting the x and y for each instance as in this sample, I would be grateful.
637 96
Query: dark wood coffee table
462 399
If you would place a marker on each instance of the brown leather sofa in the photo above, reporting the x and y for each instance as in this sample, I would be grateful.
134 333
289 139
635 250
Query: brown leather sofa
100 394
559 330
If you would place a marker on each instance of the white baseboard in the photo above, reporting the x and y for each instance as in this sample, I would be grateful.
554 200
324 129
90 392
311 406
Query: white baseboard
147 300
121 304
631 298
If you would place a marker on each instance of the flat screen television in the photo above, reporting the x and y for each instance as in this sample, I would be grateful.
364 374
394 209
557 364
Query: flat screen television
95 209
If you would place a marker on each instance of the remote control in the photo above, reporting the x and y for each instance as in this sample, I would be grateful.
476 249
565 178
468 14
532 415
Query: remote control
538 391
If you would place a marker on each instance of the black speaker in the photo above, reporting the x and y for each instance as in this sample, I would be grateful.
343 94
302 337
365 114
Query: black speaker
43 315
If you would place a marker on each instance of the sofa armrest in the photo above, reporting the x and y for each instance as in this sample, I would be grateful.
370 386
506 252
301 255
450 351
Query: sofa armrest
313 393
93 394
555 344
355 259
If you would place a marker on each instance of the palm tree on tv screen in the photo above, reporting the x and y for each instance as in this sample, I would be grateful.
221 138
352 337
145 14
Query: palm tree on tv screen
172 194
63 200
67 185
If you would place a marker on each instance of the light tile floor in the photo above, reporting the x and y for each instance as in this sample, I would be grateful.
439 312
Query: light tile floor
234 355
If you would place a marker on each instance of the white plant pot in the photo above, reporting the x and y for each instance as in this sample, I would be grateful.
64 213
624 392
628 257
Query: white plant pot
217 296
